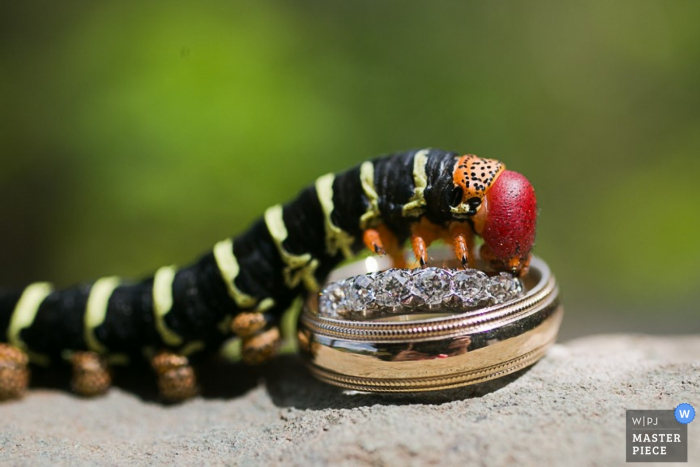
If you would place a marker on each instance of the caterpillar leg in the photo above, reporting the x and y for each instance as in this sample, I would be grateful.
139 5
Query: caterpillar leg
525 266
462 237
260 341
261 347
423 233
515 265
247 324
176 378
91 376
382 241
373 241
14 372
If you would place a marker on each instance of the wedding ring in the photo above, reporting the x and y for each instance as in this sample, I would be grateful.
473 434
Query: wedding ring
414 349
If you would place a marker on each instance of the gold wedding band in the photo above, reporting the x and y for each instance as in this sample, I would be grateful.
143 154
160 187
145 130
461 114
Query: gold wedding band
433 351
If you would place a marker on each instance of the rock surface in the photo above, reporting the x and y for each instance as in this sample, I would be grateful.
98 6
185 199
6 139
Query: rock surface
569 409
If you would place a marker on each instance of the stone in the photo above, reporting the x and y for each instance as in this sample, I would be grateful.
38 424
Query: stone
469 286
431 285
393 287
503 287
333 301
360 292
568 409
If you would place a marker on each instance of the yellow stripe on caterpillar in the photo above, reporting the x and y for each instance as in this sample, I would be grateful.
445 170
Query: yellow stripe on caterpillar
23 316
229 269
372 216
192 348
416 204
96 310
299 268
163 302
336 238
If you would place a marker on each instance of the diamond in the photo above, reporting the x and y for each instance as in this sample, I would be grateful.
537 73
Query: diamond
398 290
503 287
333 300
431 285
393 287
360 292
469 286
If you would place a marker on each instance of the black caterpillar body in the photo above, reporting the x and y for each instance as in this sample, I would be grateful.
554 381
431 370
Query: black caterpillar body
285 254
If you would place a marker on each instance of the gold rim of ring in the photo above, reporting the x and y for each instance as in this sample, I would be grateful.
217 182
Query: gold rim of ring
432 384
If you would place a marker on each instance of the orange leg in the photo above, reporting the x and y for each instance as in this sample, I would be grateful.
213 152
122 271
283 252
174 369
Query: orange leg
525 266
373 241
382 241
517 266
463 241
423 233
420 249
487 255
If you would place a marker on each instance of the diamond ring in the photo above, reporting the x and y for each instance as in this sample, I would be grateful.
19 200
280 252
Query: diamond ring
401 291
432 329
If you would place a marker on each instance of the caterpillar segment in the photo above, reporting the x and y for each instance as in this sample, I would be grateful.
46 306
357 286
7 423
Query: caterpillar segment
244 284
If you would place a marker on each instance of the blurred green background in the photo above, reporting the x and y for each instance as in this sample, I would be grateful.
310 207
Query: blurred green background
134 135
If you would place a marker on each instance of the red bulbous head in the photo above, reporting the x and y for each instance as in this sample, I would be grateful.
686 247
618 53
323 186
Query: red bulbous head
507 222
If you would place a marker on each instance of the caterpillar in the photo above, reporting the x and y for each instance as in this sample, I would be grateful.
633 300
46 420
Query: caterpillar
244 284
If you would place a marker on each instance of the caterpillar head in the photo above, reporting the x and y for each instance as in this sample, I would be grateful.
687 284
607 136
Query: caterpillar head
503 208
